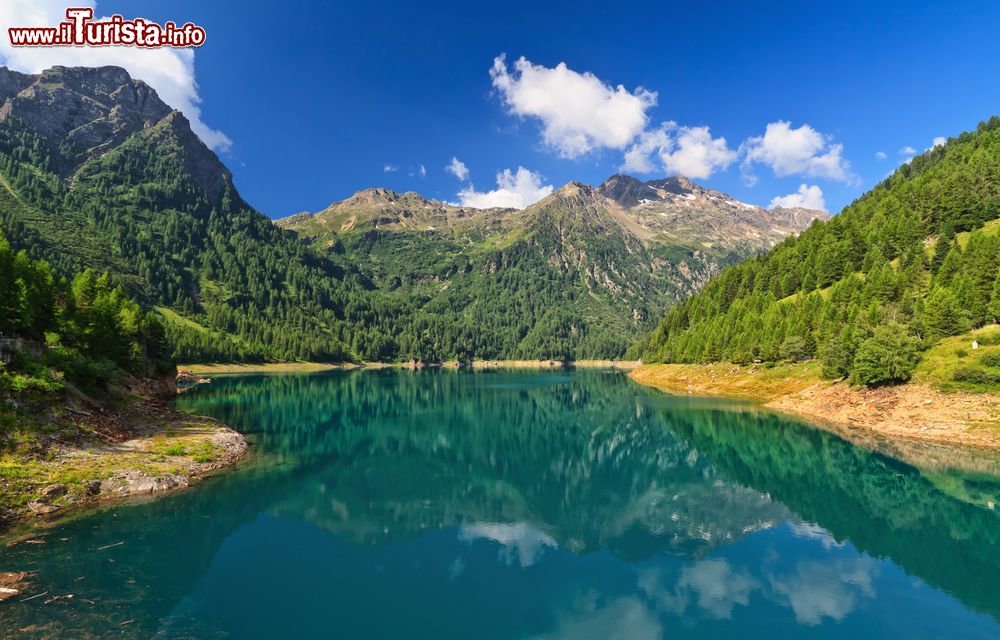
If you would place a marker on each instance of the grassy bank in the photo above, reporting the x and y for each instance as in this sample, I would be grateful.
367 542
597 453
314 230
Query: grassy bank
60 454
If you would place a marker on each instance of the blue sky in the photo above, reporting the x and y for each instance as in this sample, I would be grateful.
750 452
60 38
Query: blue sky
317 98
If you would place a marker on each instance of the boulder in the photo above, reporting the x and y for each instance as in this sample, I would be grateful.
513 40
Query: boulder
133 483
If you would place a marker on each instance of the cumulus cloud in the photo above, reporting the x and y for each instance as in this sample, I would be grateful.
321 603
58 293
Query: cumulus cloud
880 155
516 190
802 151
697 154
458 169
808 197
907 151
169 71
688 151
938 141
578 111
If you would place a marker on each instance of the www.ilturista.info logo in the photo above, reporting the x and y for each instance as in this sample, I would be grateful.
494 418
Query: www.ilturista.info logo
79 29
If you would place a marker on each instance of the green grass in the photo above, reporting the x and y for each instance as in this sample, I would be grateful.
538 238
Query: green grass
169 315
991 228
942 361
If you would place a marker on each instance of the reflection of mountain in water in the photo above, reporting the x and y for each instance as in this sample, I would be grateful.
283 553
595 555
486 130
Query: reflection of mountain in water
587 464
883 507
531 461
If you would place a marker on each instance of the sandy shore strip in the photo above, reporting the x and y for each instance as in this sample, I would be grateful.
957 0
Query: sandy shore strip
914 422
310 367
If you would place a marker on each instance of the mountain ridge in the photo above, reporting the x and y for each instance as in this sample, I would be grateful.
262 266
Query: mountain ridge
382 207
98 172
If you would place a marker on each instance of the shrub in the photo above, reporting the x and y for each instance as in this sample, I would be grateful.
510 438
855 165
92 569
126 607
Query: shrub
889 356
794 348
976 376
838 356
991 360
961 353
81 370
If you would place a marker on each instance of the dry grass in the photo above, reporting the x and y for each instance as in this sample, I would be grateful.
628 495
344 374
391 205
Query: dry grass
753 382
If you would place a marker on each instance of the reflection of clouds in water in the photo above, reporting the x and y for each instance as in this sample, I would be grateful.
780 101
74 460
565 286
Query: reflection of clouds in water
817 590
713 585
521 542
812 531
813 590
623 618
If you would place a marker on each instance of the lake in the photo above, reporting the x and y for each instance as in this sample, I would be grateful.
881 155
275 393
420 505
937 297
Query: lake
509 504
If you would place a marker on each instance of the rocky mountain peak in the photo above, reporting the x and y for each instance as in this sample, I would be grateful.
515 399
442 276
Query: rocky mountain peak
12 83
91 108
372 196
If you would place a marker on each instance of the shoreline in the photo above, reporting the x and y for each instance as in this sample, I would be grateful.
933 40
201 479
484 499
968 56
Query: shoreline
143 448
914 422
311 367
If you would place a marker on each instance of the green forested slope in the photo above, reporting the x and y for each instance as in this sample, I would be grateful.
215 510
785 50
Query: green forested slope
911 261
92 331
97 172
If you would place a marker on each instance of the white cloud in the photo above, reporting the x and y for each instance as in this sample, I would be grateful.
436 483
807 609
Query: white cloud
514 189
422 171
938 141
169 71
638 156
458 169
390 168
808 197
579 112
907 151
801 151
880 155
688 151
697 154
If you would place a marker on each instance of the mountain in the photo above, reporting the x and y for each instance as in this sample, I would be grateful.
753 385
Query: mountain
577 274
913 260
96 171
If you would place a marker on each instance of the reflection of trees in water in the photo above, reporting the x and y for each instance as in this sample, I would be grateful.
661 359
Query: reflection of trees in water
882 506
586 462
579 457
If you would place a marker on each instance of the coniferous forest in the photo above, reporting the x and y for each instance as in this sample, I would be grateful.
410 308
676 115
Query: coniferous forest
912 261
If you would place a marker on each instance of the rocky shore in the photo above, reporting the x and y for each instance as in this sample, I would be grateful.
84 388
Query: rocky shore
88 452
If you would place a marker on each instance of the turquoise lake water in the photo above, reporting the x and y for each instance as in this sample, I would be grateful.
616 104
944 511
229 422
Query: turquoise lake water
500 504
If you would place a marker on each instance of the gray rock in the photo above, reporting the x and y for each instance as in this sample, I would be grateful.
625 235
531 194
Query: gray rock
54 491
43 508
133 483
